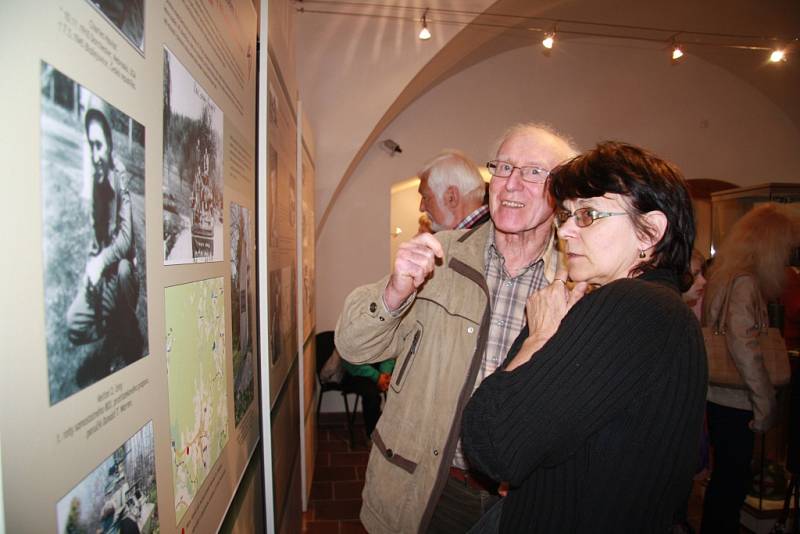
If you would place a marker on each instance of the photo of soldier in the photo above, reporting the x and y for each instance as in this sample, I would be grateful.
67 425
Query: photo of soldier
93 210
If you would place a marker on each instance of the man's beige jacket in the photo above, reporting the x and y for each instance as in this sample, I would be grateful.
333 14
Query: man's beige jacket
439 337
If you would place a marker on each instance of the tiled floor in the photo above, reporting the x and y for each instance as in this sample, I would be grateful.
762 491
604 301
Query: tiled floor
339 478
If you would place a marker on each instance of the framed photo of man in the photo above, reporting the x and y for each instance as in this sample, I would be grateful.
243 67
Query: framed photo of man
93 197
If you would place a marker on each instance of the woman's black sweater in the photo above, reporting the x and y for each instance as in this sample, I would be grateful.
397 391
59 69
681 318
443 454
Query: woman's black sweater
599 431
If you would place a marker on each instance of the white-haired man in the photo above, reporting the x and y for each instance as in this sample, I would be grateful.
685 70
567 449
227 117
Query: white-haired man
452 192
449 312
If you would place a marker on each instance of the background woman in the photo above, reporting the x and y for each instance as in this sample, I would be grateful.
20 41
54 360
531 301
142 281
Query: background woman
753 256
596 418
693 297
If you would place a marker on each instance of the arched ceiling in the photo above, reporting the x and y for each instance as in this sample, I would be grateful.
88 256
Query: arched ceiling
488 35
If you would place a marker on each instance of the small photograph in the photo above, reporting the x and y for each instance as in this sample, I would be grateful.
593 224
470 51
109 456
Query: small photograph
272 200
93 194
127 16
242 307
282 314
192 169
119 496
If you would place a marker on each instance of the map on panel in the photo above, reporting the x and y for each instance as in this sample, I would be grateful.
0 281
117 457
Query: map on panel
198 398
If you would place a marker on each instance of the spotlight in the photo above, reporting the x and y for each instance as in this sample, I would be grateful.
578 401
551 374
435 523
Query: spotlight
425 33
548 40
677 53
777 55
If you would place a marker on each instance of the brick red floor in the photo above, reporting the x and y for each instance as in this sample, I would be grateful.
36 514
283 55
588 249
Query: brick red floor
338 480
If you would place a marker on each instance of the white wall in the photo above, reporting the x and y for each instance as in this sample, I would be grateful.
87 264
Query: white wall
708 122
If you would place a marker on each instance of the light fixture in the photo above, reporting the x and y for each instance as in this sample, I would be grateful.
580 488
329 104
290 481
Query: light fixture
548 40
677 53
425 33
777 55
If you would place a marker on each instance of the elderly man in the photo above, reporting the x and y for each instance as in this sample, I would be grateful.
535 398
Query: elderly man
449 311
452 192
105 305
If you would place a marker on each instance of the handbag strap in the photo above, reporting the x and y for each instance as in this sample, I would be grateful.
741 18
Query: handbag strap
719 324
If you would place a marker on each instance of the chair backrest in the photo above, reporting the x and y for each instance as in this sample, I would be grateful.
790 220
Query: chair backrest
325 348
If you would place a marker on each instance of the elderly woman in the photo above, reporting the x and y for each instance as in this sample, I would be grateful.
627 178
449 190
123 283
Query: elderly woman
751 266
595 419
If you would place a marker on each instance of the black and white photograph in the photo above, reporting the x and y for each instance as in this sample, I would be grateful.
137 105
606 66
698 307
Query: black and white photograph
272 199
119 495
242 308
93 194
127 16
192 169
282 313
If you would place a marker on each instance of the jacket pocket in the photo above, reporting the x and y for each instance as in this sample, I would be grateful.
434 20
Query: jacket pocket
404 365
393 457
391 482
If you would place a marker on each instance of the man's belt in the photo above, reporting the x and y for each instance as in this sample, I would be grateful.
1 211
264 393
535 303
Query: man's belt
474 480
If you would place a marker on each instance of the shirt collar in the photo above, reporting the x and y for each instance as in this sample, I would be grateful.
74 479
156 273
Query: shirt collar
467 221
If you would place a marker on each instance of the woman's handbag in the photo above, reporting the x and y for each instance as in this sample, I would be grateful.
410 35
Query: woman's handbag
722 370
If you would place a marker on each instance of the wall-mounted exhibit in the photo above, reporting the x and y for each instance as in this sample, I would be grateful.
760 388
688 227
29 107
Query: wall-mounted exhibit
133 362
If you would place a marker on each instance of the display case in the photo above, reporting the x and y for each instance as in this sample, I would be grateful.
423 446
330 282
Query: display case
729 205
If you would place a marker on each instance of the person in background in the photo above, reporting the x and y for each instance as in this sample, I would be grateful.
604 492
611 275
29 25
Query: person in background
595 418
448 312
452 192
693 297
751 261
369 381
424 224
790 301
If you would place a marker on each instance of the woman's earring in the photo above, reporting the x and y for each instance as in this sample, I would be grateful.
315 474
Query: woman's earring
641 253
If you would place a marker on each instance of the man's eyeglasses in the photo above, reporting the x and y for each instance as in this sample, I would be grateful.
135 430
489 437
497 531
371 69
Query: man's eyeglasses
584 216
532 174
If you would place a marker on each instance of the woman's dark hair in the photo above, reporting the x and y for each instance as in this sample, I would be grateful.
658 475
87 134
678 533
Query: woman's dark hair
647 183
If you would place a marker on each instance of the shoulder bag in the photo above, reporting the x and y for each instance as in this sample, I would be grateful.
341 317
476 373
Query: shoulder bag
722 370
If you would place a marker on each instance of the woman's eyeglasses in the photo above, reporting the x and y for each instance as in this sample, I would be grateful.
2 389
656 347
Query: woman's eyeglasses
584 216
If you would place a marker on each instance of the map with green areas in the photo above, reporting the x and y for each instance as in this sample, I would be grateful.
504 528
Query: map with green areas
198 398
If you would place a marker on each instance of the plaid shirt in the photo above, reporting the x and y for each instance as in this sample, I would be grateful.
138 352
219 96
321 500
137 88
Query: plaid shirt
508 296
468 221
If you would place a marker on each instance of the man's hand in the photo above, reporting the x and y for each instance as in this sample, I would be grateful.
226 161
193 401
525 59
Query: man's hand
383 381
413 264
94 269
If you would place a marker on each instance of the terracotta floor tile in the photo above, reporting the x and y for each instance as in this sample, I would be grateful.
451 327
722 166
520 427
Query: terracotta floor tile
322 459
352 527
321 491
348 490
333 446
338 509
328 473
349 458
322 527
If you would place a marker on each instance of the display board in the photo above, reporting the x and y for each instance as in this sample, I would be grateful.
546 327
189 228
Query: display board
129 387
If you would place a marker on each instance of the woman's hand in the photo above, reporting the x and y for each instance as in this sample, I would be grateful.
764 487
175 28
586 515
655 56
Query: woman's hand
545 310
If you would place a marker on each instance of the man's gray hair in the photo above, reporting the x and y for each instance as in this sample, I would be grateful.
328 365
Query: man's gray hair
453 168
563 143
